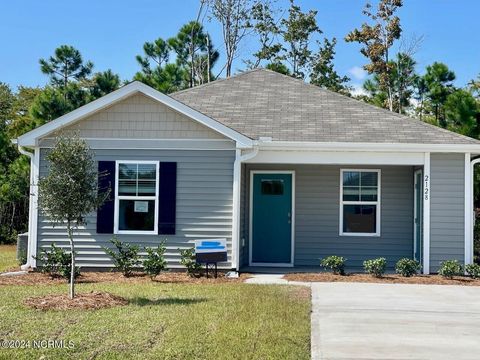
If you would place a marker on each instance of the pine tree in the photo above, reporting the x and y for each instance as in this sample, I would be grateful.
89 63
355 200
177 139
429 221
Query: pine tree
323 71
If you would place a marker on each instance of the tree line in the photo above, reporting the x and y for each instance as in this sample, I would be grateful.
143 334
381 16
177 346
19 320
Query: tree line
289 41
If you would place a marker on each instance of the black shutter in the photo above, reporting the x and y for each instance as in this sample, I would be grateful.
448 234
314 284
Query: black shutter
167 195
105 213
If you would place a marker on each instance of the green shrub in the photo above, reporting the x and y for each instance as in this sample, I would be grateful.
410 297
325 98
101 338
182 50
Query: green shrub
188 260
155 262
57 262
375 267
407 267
473 270
450 268
125 257
334 263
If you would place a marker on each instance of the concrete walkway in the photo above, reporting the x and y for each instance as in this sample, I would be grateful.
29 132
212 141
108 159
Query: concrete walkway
13 273
395 321
274 279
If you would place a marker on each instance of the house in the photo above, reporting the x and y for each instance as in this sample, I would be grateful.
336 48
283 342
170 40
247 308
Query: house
287 172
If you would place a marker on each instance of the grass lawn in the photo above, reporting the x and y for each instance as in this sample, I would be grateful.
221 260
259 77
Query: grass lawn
7 257
165 321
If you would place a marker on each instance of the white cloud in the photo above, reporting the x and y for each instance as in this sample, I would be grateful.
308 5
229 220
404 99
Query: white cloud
358 73
357 90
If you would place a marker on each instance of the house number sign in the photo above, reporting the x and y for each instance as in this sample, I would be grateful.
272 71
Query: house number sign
426 187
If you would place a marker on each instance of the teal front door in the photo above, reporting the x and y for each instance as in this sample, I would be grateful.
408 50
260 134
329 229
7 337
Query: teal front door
271 219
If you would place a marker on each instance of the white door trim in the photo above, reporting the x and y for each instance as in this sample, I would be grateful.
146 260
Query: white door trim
415 207
250 219
469 212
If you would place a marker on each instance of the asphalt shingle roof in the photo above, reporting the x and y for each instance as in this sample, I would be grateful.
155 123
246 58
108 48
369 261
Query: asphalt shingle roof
263 103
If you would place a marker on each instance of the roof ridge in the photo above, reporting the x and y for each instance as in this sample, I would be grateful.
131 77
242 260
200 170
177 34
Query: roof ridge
375 108
299 85
216 81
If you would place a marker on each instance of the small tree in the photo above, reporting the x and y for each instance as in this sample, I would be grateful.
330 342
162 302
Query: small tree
69 192
377 39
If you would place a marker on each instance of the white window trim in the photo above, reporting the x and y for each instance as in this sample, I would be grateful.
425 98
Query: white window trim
130 197
378 202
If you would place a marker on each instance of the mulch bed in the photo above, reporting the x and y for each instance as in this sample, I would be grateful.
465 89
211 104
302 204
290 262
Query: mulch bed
86 301
87 277
388 279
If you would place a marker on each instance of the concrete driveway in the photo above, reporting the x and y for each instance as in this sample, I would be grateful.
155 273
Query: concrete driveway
384 321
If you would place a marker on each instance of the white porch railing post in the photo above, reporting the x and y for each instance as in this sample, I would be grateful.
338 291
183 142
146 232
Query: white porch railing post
426 214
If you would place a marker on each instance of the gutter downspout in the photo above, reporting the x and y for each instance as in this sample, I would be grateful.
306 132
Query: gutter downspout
23 151
237 179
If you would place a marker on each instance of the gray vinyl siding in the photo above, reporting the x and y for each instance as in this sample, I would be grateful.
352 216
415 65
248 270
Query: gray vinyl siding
447 214
204 206
317 209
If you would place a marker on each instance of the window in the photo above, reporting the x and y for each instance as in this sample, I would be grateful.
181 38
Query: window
136 200
272 187
360 202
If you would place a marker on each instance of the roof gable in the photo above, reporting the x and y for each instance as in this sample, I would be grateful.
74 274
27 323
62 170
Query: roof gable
140 117
263 103
31 138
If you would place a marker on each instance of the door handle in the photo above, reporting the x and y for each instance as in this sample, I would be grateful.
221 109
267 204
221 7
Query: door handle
289 217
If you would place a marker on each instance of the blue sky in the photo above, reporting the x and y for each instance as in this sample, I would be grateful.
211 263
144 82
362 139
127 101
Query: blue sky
111 33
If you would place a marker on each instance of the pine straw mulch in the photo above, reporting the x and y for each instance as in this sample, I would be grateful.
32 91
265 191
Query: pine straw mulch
88 277
387 279
87 301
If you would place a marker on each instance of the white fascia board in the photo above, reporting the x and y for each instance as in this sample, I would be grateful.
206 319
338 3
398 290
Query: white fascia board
337 157
369 147
172 144
30 139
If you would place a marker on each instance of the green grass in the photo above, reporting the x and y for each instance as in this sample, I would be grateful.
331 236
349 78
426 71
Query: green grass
8 257
165 321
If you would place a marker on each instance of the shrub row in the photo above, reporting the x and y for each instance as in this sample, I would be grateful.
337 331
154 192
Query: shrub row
56 261
451 268
405 267
126 259
376 267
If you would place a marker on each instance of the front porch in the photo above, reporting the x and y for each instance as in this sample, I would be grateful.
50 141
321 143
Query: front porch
329 215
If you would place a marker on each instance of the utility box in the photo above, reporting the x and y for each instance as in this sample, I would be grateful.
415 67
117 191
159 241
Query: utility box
22 244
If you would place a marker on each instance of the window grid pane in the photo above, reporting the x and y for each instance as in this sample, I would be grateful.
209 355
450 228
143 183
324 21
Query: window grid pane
360 186
360 218
137 179
351 178
136 215
351 193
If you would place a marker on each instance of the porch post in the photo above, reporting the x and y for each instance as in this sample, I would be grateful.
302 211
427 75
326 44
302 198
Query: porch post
426 214
237 168
36 174
468 210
